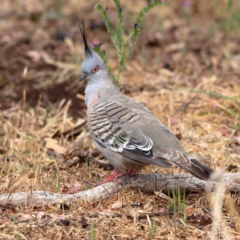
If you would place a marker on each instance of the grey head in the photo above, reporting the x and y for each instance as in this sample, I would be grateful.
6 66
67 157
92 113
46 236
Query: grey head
93 68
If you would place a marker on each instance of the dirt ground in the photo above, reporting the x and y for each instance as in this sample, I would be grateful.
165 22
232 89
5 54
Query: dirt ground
185 68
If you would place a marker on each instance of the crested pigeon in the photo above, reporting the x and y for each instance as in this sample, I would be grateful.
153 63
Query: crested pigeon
124 130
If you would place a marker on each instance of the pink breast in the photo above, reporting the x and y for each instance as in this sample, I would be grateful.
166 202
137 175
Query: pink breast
92 101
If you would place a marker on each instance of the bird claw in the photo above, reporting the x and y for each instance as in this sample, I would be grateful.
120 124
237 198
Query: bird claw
110 178
115 174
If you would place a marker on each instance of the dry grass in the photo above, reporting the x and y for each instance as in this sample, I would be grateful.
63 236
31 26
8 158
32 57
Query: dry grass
208 126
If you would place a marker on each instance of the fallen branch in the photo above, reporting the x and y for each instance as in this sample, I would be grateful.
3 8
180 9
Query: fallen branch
144 182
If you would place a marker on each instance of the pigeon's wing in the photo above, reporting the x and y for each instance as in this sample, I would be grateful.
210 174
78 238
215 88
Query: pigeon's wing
118 128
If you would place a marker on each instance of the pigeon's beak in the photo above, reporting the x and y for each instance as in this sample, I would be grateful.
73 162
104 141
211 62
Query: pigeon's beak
84 76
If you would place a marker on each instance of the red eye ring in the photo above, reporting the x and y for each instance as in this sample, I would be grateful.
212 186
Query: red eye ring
95 69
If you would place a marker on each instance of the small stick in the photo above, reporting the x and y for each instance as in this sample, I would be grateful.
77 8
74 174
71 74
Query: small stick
184 105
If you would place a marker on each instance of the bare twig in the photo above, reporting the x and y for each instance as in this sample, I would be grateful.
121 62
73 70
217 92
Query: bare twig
184 105
72 132
144 182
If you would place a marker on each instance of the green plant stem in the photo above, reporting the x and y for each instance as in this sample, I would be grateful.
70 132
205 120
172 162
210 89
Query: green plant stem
106 19
117 36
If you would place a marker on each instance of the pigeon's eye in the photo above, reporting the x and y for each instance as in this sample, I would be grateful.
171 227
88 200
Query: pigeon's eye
95 69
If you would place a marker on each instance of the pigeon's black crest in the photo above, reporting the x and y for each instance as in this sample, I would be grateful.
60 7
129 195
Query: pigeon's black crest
88 51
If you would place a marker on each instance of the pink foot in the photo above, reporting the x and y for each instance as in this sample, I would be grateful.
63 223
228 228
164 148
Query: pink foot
110 178
115 174
131 171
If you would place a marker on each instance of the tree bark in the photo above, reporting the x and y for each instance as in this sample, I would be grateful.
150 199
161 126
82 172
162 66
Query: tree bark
144 182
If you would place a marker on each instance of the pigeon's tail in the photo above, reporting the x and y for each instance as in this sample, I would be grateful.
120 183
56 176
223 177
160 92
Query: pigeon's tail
198 169
192 165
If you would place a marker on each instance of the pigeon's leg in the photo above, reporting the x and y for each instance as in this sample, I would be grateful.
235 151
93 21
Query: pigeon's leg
110 178
130 172
115 174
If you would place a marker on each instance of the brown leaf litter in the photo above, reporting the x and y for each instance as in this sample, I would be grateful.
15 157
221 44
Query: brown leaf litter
189 79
